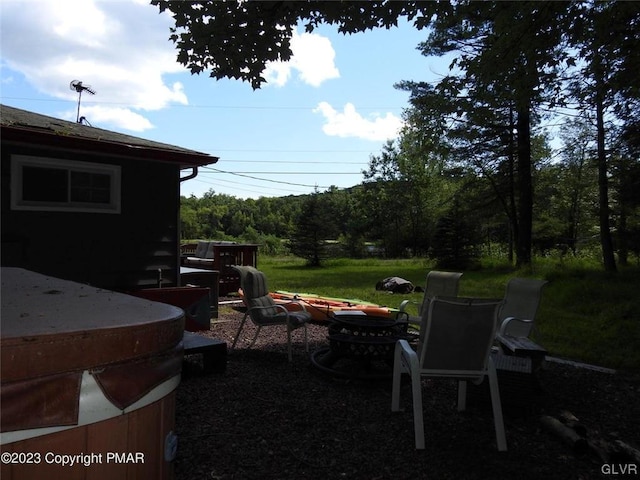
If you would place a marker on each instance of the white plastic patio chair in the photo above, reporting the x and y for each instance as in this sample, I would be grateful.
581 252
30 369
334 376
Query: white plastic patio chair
518 311
264 312
458 335
438 284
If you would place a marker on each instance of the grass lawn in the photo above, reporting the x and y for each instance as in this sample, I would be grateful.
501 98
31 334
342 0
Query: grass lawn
586 314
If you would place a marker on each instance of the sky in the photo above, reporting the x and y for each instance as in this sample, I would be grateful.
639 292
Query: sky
314 125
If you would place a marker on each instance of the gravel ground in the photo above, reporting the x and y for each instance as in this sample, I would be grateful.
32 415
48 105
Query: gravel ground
266 418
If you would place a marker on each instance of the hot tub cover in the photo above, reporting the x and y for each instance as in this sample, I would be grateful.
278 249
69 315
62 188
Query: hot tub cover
53 330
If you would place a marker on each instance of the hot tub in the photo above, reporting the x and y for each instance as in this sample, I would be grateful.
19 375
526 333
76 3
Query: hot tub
87 381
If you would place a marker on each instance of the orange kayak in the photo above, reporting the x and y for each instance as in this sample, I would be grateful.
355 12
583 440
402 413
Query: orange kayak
322 308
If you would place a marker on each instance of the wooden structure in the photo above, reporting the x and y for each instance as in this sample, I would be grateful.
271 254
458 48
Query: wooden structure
96 380
195 301
91 205
213 351
522 347
220 256
203 278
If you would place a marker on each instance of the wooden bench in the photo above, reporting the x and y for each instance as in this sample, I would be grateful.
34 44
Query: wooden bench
522 347
213 351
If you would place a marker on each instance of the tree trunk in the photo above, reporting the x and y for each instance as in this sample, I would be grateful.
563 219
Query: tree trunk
513 214
603 186
525 187
623 247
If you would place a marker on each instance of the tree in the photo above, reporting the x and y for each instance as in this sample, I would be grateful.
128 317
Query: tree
511 51
421 163
607 86
188 218
508 54
237 39
573 181
456 240
478 132
232 39
385 193
308 239
626 198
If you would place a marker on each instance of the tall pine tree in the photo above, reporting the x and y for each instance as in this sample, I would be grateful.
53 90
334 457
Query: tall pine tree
308 239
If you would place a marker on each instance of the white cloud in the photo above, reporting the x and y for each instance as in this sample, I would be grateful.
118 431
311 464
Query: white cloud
278 73
81 23
119 117
312 58
119 48
349 123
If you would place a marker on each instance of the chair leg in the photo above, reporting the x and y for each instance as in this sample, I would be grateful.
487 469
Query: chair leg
255 337
235 340
462 395
290 354
306 338
395 385
496 404
418 421
405 361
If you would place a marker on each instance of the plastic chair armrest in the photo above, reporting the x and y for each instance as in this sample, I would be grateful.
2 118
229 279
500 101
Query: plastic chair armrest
403 350
508 320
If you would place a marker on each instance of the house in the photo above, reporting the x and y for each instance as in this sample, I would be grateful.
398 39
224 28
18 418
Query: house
91 205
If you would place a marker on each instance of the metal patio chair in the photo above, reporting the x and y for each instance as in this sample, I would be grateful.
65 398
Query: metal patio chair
265 312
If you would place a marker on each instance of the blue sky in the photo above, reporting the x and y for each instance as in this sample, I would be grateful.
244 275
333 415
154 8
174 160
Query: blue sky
315 124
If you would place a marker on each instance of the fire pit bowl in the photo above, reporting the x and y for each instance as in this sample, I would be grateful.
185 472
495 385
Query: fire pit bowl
360 346
364 336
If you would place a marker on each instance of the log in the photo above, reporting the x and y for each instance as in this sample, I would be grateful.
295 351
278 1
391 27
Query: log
571 421
566 434
576 435
602 449
628 450
567 416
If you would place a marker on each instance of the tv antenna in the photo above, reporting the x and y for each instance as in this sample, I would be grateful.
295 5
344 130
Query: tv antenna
79 87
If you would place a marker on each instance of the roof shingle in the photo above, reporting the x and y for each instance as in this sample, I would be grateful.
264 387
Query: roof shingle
42 129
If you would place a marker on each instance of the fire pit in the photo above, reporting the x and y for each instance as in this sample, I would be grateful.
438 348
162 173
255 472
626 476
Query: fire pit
360 346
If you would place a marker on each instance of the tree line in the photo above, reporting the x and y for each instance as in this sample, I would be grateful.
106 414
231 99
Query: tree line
407 206
473 167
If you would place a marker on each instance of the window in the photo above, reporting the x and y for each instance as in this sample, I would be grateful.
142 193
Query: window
63 185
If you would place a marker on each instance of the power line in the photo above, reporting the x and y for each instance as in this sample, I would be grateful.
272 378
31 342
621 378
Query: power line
252 188
213 107
294 162
263 150
269 172
208 169
268 180
245 184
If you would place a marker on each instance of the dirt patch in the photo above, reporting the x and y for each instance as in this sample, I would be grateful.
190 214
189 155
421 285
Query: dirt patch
266 418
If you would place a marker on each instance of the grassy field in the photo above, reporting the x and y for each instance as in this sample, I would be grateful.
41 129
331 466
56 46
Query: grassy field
585 315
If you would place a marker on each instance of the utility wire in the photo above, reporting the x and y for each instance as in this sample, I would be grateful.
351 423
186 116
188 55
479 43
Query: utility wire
269 172
252 188
268 180
294 162
190 106
243 183
262 150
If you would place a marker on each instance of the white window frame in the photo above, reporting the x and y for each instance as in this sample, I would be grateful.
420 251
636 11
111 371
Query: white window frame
19 203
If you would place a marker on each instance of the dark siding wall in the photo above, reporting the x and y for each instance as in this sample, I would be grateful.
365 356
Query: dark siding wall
116 251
